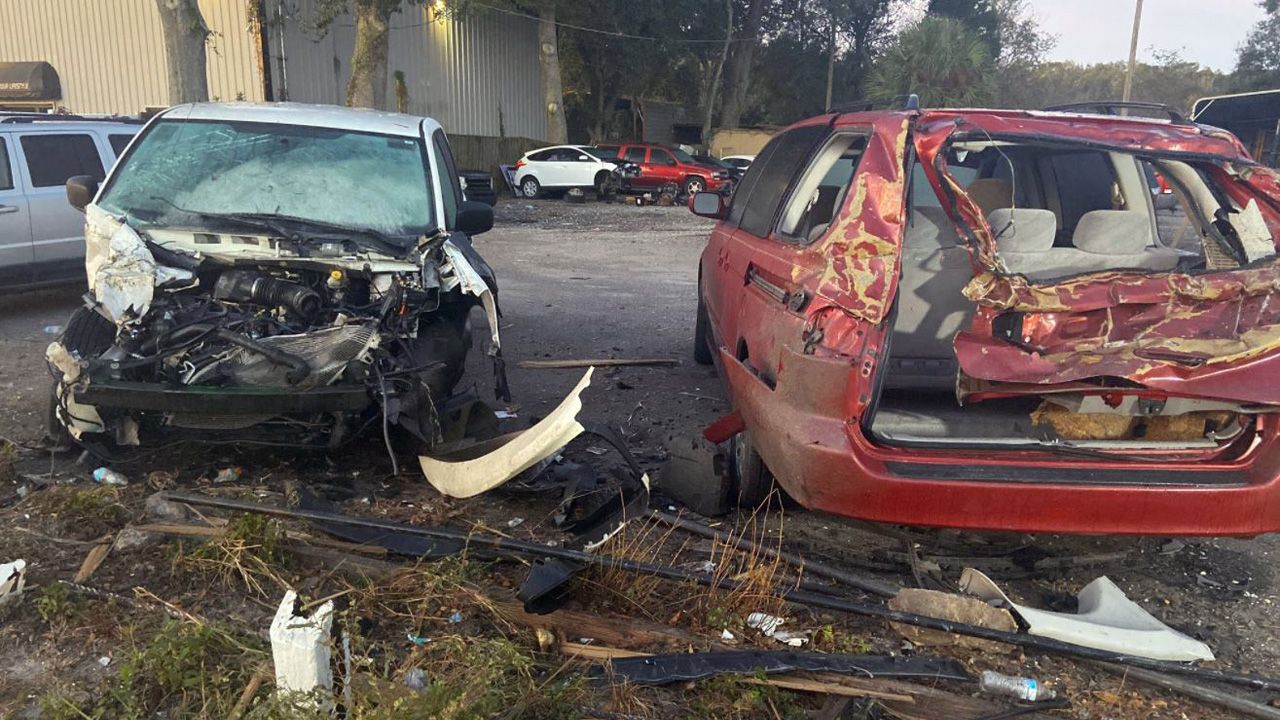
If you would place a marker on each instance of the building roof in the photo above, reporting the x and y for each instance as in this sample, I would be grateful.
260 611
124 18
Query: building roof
290 113
1252 107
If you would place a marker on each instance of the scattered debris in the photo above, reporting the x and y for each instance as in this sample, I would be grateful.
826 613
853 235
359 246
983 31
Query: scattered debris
228 474
487 465
771 627
300 649
1022 688
13 576
93 559
1107 620
1227 700
598 362
515 522
107 476
949 606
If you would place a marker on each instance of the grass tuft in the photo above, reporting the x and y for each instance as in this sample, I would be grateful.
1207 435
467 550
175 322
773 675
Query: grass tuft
250 550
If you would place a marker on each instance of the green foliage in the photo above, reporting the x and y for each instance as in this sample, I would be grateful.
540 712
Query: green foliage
1171 80
1258 63
727 697
58 606
940 60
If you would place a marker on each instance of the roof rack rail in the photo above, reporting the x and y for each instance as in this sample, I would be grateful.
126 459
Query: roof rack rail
897 102
35 117
1111 107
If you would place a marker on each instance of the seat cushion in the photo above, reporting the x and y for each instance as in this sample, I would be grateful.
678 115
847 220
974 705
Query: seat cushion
1113 232
1023 230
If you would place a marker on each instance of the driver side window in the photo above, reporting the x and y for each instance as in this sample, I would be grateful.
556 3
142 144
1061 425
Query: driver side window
661 157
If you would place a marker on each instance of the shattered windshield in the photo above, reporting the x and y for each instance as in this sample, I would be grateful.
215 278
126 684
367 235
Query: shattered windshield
185 172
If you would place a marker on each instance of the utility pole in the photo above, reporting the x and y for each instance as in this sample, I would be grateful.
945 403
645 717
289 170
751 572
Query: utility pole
1133 52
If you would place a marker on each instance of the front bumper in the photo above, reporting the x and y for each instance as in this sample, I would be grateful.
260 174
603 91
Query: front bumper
223 401
828 464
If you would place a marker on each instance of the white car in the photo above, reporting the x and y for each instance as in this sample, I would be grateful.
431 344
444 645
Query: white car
740 162
562 167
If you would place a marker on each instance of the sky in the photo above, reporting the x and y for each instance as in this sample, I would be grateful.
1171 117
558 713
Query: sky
1203 31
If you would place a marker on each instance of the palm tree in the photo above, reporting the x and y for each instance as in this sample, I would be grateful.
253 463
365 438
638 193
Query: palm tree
940 60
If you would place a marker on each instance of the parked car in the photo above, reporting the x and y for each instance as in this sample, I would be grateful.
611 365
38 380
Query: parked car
741 162
971 319
43 237
562 167
273 273
661 165
478 185
735 173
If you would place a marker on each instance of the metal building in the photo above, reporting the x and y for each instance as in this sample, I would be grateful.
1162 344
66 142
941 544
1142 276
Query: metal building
477 74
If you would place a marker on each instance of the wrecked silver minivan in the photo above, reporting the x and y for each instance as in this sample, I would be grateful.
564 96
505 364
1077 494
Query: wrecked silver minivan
285 273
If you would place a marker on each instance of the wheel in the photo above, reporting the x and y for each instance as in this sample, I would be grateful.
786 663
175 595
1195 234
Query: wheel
694 185
702 335
752 478
601 183
530 187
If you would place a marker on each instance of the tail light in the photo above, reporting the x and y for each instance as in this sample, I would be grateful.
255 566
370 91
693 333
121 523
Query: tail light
520 163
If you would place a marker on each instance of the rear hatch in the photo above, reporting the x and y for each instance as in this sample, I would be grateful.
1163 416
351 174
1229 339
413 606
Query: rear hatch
1176 336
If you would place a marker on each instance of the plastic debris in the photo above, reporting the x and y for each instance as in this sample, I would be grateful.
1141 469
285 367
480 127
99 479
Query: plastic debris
727 636
107 476
228 474
455 618
13 576
505 415
515 522
415 679
770 627
300 649
52 329
417 639
104 661
1022 688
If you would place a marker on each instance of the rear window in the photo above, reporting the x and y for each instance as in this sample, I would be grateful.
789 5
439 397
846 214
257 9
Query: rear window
51 159
542 155
6 175
635 155
119 143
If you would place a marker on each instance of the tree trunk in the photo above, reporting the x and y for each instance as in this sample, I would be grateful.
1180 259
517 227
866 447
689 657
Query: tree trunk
740 69
552 91
185 34
368 84
831 66
715 81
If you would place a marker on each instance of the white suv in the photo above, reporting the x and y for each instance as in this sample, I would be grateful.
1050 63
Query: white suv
563 167
41 237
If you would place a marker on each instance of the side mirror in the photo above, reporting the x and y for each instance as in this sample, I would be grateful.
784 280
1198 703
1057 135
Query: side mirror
80 190
474 217
708 205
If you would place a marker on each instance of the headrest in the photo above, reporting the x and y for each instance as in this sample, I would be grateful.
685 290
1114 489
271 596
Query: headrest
1113 232
1023 229
991 193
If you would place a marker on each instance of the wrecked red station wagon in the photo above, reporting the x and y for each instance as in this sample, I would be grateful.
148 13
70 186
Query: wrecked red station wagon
985 319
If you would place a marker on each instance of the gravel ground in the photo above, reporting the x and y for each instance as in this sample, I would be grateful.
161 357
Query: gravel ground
593 281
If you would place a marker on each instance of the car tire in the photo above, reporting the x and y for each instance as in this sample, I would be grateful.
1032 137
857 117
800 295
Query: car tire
702 334
752 480
601 180
694 184
530 187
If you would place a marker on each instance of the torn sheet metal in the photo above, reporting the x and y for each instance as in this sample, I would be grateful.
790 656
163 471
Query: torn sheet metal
682 667
1107 620
464 475
457 271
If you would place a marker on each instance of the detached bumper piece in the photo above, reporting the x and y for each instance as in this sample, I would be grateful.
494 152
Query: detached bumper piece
231 400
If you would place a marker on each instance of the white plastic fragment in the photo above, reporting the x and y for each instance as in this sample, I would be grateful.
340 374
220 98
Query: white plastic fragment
770 626
13 576
1107 620
300 648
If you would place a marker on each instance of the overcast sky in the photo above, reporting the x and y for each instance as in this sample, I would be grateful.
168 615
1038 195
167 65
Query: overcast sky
1204 31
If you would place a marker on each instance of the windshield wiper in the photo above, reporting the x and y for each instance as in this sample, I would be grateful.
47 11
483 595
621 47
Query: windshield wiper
384 241
261 223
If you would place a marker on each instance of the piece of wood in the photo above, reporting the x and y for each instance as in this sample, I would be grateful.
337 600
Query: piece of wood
250 689
93 559
597 652
598 362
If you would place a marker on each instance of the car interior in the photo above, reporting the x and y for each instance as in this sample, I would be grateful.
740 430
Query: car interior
1056 212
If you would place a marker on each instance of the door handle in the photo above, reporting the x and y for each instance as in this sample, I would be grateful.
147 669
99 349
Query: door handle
795 299
5 209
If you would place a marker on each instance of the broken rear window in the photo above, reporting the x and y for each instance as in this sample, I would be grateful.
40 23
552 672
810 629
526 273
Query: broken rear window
1058 210
358 180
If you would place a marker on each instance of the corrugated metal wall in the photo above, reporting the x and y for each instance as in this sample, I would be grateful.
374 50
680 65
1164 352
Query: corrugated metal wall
109 54
477 75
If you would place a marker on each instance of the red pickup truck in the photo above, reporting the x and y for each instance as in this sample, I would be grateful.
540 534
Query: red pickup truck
660 165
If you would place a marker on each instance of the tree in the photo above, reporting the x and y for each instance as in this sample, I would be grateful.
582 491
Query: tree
940 60
979 16
185 34
1258 58
1023 45
549 58
367 86
735 91
709 100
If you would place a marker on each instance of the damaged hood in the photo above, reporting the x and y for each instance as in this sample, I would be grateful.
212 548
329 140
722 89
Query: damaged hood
1205 333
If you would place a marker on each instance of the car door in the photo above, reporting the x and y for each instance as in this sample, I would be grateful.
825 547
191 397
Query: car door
638 155
559 167
581 169
46 159
16 254
739 298
663 167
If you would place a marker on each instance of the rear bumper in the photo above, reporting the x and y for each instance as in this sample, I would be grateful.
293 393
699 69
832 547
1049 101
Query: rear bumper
827 464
